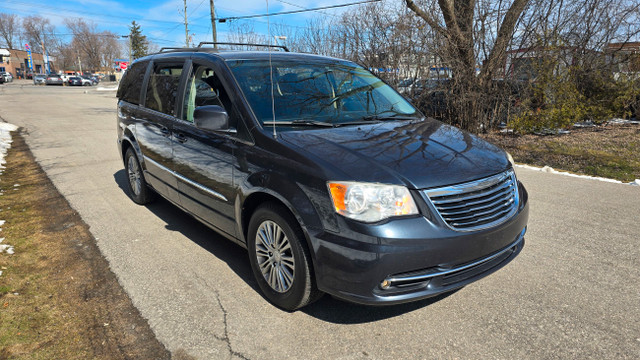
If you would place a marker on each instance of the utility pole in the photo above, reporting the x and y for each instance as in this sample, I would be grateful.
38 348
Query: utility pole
44 57
79 63
186 24
213 25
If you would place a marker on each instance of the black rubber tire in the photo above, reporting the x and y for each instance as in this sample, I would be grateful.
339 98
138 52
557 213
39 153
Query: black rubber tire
303 290
145 194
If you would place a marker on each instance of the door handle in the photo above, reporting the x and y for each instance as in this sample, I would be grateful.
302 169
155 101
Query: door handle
181 138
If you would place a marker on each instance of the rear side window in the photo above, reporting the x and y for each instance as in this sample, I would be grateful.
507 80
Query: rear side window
131 84
163 88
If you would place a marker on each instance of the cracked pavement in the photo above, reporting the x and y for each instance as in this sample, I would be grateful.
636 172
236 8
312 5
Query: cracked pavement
572 292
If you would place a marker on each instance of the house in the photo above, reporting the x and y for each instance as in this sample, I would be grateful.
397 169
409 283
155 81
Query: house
624 57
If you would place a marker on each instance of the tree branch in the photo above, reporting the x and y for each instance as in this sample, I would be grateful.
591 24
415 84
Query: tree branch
503 38
427 18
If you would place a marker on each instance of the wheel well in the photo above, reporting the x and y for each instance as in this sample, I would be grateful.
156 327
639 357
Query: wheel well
253 202
125 146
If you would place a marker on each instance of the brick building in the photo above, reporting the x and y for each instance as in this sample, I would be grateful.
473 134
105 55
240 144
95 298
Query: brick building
16 62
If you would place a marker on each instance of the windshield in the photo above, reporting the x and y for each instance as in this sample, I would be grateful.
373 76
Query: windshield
312 93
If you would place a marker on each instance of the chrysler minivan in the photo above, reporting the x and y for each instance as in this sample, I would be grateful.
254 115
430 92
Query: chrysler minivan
332 181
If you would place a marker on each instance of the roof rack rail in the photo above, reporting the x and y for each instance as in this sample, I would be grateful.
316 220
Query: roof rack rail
231 43
171 48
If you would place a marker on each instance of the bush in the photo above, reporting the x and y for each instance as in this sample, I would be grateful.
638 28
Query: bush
561 97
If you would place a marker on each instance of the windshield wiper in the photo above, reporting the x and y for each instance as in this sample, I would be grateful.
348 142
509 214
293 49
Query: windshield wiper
301 123
379 117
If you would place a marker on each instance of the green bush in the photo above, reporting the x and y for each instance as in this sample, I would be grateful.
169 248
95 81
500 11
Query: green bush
560 97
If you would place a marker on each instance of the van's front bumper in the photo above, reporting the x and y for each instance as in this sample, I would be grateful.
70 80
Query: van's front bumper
418 257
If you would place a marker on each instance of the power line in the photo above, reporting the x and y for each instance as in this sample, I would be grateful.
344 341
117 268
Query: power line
302 7
294 11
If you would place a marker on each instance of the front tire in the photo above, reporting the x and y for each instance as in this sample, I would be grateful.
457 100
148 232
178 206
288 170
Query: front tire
139 191
279 257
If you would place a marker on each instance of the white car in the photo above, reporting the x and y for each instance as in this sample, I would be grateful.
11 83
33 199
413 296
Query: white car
85 81
7 76
65 77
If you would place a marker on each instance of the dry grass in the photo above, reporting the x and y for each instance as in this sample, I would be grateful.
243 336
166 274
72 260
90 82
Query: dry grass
58 298
611 151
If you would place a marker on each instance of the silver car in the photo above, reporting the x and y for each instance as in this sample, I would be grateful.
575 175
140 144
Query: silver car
54 79
39 79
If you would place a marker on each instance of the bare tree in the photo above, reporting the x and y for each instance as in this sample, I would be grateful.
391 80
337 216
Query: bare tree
9 24
95 49
37 31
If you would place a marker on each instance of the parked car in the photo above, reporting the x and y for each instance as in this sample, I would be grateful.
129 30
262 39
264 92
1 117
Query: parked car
54 79
7 76
345 188
75 81
86 81
1 80
66 77
39 79
404 85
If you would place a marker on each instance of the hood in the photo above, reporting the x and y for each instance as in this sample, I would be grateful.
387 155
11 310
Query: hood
417 154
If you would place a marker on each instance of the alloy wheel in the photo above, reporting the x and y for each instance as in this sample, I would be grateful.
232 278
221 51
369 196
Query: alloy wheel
135 180
275 257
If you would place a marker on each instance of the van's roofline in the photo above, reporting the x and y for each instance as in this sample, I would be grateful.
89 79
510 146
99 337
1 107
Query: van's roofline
240 55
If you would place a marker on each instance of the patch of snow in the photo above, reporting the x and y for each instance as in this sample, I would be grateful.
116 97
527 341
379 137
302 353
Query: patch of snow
5 144
551 170
5 247
584 124
5 141
104 88
623 121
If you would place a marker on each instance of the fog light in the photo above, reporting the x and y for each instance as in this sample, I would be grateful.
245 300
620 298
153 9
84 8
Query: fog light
385 284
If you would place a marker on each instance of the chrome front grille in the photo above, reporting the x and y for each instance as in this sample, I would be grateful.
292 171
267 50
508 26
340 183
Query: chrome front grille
478 204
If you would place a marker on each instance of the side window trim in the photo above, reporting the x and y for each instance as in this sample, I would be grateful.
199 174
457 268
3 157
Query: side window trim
143 90
187 68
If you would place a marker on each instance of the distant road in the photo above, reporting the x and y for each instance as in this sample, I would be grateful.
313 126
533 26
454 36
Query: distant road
573 293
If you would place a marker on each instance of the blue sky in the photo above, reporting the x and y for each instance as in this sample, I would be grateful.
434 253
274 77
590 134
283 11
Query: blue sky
163 21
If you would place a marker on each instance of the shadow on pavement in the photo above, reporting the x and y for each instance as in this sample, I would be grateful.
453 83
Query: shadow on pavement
336 311
327 309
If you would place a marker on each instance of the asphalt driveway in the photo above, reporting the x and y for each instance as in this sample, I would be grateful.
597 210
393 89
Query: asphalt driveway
572 293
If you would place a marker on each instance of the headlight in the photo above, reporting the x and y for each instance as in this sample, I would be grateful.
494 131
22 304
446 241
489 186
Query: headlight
371 202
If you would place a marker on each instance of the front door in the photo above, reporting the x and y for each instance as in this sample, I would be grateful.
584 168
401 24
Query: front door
203 160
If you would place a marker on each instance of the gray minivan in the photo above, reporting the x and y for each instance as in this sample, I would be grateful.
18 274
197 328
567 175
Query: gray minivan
331 180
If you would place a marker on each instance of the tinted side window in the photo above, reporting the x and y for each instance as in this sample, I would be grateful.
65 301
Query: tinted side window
131 84
204 87
163 88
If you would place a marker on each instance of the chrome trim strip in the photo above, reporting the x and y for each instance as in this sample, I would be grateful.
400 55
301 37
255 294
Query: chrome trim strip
188 181
470 186
499 190
446 272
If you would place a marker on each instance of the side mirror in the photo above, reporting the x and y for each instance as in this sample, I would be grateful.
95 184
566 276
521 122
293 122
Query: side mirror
211 117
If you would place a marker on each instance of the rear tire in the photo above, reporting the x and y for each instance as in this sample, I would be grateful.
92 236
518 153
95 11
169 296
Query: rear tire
139 190
280 259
